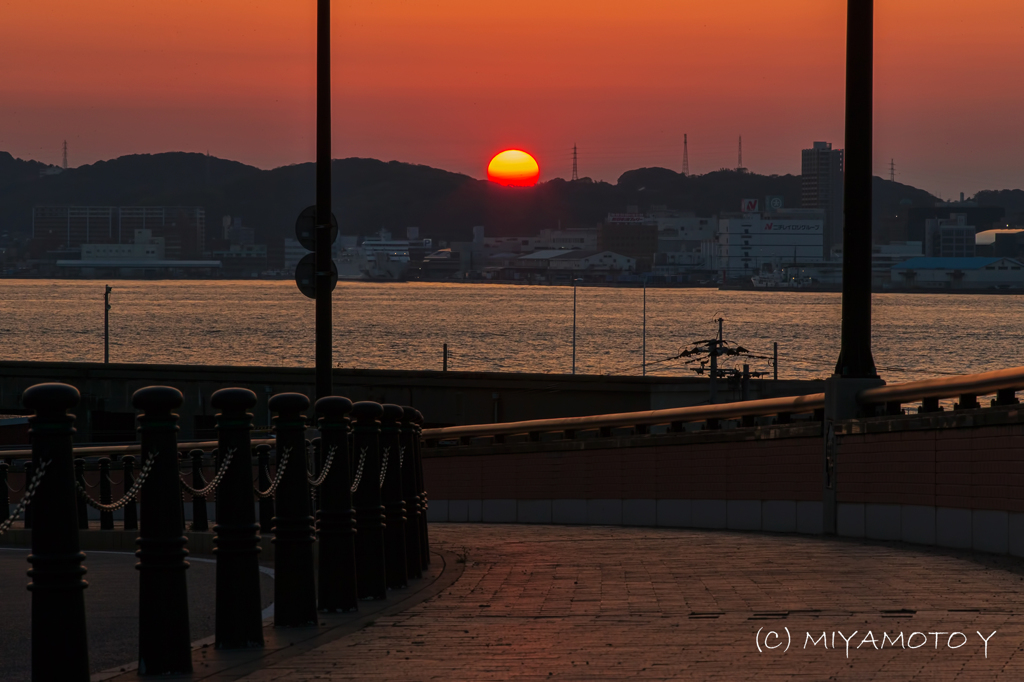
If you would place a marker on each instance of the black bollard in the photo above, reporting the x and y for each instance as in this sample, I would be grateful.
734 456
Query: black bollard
5 498
83 510
370 571
335 521
239 623
200 522
294 581
420 485
58 604
131 516
164 644
266 503
411 495
106 494
29 469
392 459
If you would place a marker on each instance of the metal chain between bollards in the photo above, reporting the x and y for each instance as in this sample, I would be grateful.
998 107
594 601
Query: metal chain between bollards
212 485
12 488
384 456
401 457
26 499
318 481
269 492
359 470
128 496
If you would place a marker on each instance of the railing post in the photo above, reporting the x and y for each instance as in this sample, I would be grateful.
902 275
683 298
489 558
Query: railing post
335 521
411 495
417 453
266 503
164 644
106 495
200 520
83 510
392 457
131 516
239 620
58 603
294 582
370 566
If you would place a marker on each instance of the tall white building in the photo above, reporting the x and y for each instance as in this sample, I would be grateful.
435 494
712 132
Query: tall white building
750 243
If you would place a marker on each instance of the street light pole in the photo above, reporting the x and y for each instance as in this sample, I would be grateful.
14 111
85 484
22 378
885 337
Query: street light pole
644 361
106 325
855 359
322 278
574 280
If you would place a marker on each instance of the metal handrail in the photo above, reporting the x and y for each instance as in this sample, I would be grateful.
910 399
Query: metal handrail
749 408
985 383
133 449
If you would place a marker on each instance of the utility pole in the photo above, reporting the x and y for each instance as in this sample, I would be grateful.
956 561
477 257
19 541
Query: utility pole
106 325
322 277
65 154
740 166
686 157
575 175
892 170
715 344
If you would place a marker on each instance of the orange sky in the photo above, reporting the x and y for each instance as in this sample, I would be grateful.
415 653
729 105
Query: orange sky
450 82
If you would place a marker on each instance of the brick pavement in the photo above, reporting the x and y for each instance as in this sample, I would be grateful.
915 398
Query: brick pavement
543 602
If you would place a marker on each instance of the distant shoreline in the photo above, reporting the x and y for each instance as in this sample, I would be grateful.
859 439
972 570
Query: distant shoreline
507 282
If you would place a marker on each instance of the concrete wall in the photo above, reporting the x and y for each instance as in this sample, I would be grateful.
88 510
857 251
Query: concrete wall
948 479
445 398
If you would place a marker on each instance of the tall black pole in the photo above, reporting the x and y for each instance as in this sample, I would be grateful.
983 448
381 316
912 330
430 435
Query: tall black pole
855 359
323 200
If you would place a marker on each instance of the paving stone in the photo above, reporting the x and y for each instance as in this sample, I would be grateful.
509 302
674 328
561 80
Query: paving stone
582 603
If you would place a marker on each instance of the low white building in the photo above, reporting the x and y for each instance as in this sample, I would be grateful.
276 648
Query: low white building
959 273
145 247
750 243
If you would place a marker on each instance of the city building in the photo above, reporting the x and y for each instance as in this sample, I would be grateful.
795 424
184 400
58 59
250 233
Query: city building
821 187
630 234
243 261
949 238
64 228
959 273
752 243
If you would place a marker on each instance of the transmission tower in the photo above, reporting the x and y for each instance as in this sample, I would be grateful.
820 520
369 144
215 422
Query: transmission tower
892 170
575 175
65 154
686 157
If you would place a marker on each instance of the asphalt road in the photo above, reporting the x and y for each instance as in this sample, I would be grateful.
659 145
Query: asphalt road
111 604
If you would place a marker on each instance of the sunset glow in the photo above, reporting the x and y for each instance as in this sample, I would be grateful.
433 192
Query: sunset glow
513 168
236 78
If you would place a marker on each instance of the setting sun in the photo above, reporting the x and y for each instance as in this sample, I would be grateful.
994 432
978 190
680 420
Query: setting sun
513 168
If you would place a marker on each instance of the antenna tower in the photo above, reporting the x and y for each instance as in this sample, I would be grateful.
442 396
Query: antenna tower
892 170
575 175
65 154
686 157
741 154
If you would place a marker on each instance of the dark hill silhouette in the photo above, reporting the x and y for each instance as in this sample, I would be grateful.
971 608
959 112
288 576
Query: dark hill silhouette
371 194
